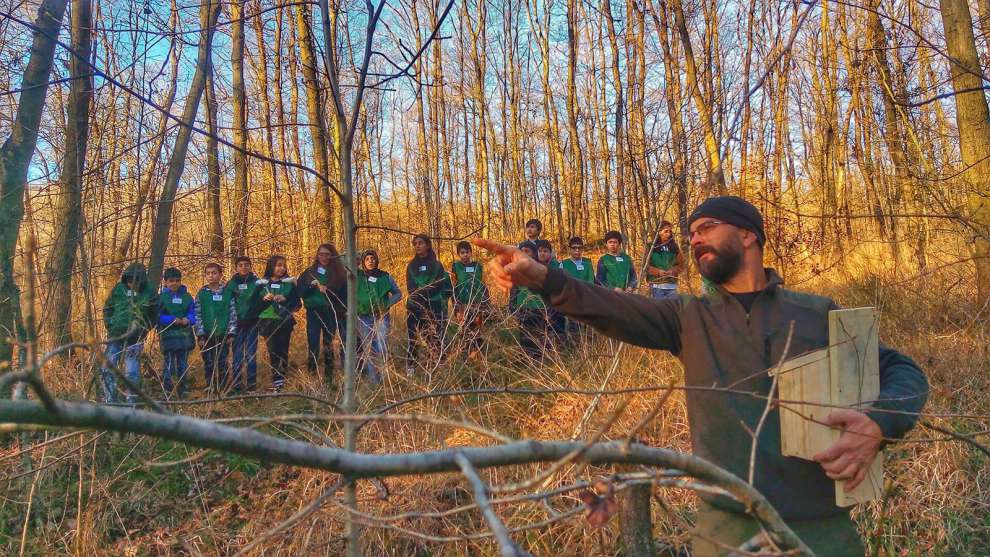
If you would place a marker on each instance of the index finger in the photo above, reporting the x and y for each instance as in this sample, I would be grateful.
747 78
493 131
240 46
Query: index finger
493 246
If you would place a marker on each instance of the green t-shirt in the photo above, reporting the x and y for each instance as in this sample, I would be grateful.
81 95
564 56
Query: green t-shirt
470 289
581 269
618 271
373 293
663 257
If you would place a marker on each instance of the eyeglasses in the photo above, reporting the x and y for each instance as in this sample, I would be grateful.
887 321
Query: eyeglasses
704 228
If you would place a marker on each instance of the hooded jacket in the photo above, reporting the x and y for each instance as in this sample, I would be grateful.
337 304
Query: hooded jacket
130 312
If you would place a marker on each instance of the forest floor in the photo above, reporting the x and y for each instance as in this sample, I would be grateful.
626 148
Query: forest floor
146 497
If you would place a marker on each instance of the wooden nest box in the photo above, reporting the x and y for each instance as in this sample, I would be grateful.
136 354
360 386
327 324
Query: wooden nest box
844 374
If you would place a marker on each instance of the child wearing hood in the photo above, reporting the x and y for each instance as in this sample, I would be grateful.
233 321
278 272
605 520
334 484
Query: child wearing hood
175 332
275 322
128 314
429 290
377 292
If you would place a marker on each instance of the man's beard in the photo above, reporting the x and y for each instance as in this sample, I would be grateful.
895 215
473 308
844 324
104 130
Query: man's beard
724 264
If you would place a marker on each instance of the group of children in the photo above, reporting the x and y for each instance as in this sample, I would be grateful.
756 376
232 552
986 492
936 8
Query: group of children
226 320
542 326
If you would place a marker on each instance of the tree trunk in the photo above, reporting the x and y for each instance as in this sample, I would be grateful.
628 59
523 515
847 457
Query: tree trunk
716 176
238 239
62 257
973 124
15 158
208 13
214 222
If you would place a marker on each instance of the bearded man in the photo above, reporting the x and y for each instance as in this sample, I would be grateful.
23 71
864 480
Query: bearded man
728 339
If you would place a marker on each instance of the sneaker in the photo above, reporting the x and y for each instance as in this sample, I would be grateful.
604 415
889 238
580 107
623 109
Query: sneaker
277 386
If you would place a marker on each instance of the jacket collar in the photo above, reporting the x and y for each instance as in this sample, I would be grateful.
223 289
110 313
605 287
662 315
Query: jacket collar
773 283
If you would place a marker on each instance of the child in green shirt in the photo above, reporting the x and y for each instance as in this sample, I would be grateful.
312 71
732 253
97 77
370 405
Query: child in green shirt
665 263
175 332
471 299
216 325
615 268
429 289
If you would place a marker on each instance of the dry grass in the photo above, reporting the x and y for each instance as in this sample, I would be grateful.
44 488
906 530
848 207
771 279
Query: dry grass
938 499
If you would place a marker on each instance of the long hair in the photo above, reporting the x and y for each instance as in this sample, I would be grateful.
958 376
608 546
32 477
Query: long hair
336 274
430 254
270 266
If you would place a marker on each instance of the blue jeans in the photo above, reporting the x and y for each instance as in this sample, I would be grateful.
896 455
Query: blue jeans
245 354
374 335
661 293
132 370
174 372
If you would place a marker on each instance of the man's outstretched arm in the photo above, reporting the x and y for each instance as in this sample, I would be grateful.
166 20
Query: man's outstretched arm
627 317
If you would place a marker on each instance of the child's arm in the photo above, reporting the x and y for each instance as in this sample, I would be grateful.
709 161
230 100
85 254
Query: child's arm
191 314
198 317
232 317
632 275
394 293
108 311
600 275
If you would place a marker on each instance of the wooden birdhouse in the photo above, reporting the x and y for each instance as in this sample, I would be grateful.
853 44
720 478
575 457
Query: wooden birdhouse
845 374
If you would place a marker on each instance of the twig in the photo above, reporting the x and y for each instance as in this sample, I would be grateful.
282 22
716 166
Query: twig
769 405
304 512
506 546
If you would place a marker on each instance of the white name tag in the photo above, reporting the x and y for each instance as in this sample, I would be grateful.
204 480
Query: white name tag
579 266
218 297
321 270
131 293
277 286
372 279
176 300
468 269
242 287
422 268
618 259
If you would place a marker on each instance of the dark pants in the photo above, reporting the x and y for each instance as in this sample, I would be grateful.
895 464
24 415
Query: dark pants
174 372
472 319
215 352
534 328
427 324
834 536
322 324
246 355
277 335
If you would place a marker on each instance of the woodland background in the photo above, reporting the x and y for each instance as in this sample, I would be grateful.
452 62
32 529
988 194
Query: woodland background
183 133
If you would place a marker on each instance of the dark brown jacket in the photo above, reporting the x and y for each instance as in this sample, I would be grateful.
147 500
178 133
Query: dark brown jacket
721 345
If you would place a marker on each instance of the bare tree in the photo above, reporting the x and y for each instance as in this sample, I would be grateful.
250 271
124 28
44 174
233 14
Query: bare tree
62 257
15 159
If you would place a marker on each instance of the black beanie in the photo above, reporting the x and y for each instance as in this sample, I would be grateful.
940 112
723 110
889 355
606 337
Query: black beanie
732 210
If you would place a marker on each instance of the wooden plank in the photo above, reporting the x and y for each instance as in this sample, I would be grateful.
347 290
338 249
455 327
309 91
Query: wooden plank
855 383
804 378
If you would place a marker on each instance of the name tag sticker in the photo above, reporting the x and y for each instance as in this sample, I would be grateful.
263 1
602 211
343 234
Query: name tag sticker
579 267
218 297
321 270
242 287
618 259
372 279
276 286
422 268
176 300
131 294
469 269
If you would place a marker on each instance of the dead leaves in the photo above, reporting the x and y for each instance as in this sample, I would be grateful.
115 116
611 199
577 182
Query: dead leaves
600 507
